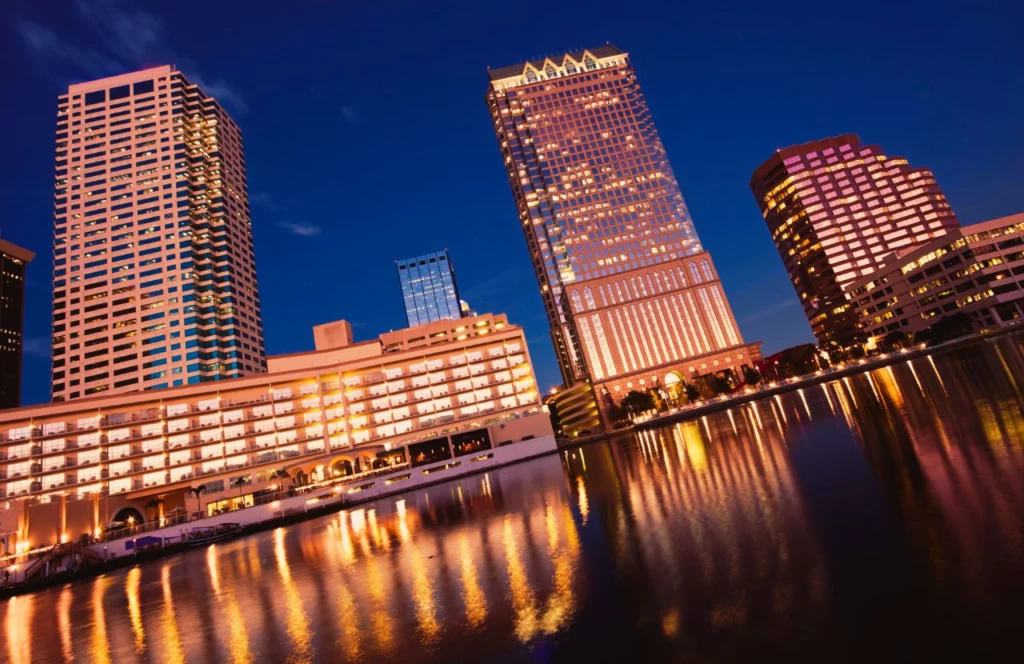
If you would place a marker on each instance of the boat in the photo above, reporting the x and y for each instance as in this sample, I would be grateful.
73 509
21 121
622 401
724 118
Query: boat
208 534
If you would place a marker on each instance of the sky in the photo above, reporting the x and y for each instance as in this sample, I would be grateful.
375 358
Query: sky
367 138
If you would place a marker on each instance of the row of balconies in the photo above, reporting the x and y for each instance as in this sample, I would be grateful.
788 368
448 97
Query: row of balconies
257 456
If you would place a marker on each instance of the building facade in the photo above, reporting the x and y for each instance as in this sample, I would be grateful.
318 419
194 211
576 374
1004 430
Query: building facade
154 272
977 270
630 294
13 262
70 468
835 209
429 288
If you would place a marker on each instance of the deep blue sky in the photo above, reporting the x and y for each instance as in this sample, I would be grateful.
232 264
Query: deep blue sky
367 137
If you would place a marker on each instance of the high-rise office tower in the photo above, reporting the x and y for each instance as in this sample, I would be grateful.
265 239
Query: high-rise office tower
13 261
154 275
835 209
631 296
429 288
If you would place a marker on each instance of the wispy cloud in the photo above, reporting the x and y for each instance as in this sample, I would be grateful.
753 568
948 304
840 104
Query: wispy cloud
36 347
771 310
300 228
265 200
131 39
45 43
491 287
349 113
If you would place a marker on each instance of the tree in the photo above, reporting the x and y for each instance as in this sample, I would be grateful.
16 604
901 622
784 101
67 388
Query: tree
691 392
751 376
637 402
154 504
951 327
196 491
239 482
719 384
281 474
895 340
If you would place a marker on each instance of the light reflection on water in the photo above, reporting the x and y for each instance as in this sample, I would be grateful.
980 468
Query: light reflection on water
881 507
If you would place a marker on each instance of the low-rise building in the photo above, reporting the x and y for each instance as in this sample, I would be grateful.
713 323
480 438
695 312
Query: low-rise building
977 270
68 469
574 411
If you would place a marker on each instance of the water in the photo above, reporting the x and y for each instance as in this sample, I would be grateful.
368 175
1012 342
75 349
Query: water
879 516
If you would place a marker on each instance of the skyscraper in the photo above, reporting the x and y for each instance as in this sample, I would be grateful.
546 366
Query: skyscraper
13 261
154 275
429 288
835 209
632 298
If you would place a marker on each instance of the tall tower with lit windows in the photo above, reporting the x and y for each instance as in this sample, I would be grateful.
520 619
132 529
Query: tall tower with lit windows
154 274
632 298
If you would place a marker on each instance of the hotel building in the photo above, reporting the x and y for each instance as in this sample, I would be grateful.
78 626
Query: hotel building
429 289
13 262
154 277
835 209
977 270
632 298
410 396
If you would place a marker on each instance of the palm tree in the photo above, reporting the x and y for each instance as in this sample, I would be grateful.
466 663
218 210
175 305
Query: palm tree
196 491
281 474
239 482
154 504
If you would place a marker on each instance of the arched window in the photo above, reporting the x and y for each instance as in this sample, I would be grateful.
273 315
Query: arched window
604 297
705 266
588 297
550 72
694 275
682 276
589 64
577 301
531 76
570 67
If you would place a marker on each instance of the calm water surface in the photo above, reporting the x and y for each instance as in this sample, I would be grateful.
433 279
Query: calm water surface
878 516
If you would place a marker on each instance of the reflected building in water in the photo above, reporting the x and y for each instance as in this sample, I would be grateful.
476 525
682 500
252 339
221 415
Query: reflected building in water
796 525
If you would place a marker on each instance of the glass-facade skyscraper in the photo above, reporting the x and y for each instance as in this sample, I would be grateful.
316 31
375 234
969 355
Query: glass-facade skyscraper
13 262
429 288
154 274
632 298
836 209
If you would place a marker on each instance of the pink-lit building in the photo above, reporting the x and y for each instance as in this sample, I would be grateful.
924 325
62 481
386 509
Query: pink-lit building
835 209
632 298
976 272
154 273
419 395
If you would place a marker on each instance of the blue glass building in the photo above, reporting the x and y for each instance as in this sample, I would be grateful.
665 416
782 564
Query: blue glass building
429 289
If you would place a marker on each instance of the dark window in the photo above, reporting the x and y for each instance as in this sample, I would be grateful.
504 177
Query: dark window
142 87
120 92
97 97
429 451
471 442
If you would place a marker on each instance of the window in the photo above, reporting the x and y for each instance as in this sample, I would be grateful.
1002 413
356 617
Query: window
142 87
97 97
589 64
531 75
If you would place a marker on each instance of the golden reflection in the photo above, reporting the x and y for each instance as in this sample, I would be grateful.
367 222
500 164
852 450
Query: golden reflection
131 589
472 595
99 646
296 623
349 615
64 623
581 490
379 584
172 649
828 398
423 596
694 445
18 629
211 565
803 398
525 621
732 421
562 601
931 361
913 372
238 637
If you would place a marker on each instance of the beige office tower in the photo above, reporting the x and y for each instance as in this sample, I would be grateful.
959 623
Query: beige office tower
154 275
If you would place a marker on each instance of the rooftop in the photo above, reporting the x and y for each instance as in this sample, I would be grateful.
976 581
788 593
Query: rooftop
577 56
16 251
